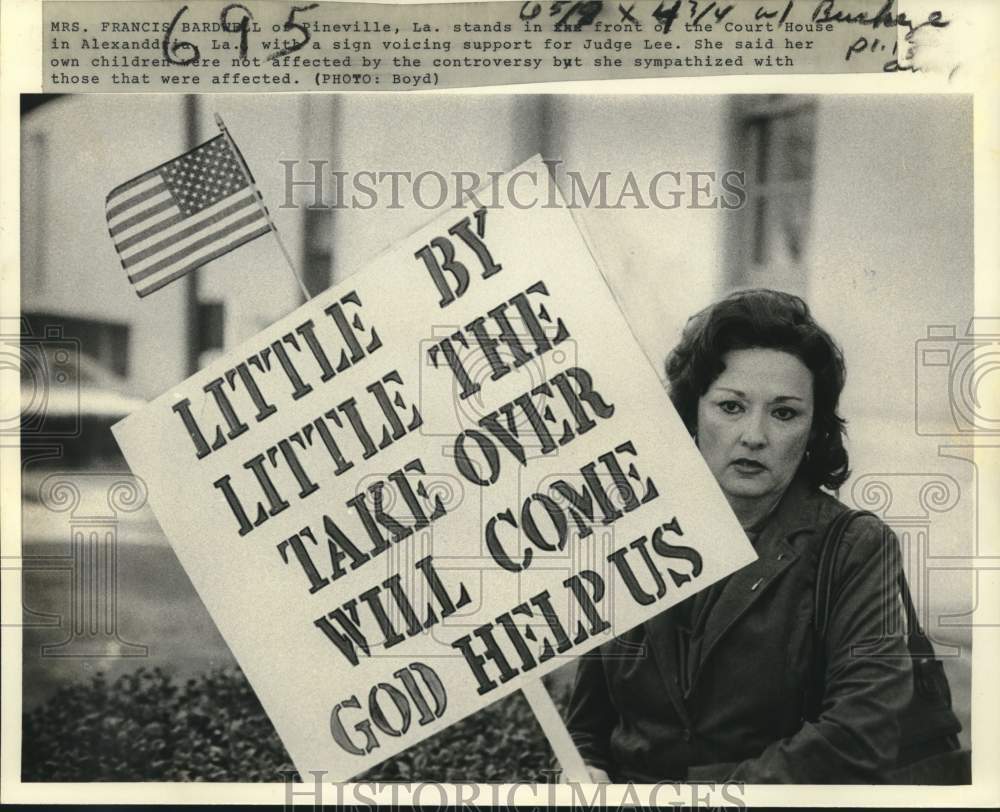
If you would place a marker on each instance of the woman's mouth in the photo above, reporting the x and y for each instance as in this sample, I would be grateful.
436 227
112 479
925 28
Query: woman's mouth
745 465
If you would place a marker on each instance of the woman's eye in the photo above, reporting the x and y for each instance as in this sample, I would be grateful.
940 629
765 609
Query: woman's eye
731 407
784 413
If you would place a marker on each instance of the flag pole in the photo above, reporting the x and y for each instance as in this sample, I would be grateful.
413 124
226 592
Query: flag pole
191 298
549 719
260 202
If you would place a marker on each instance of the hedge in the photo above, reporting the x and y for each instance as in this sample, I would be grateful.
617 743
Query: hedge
146 727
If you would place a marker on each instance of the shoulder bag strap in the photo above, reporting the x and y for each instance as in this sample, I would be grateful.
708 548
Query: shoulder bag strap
824 572
823 602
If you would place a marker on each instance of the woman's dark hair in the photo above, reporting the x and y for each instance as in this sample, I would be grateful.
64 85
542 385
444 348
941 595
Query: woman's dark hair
772 320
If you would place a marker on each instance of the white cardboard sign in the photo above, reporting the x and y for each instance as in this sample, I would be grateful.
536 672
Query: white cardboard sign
443 477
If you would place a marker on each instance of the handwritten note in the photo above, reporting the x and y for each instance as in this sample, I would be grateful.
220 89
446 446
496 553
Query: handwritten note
268 45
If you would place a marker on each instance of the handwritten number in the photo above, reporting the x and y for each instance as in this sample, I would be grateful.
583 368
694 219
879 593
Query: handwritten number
666 16
694 10
720 13
530 10
563 23
171 46
243 26
290 23
590 11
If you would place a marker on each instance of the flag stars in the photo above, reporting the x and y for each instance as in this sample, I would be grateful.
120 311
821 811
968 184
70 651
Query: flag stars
203 177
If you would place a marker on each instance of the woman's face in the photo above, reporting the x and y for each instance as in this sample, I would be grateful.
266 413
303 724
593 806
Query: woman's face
754 423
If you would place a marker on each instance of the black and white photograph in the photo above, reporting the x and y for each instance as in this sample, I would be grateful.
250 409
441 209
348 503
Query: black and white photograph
515 404
691 499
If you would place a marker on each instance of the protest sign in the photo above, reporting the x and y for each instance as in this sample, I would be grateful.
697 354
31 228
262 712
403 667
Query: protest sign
431 483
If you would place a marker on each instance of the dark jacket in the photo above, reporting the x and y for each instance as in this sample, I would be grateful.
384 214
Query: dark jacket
726 700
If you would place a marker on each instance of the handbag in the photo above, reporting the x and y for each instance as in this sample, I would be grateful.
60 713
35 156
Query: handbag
929 752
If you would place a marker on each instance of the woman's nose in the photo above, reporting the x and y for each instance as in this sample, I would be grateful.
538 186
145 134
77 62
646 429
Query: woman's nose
754 434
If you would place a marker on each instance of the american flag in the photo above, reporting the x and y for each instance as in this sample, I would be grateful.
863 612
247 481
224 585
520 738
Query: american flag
184 213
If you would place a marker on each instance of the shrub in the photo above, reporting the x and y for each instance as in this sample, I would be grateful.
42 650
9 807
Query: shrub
145 727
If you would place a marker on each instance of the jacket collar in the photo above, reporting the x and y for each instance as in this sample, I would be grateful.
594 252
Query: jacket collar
802 509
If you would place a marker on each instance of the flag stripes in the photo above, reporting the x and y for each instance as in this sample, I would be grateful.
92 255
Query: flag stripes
174 235
193 248
139 198
165 280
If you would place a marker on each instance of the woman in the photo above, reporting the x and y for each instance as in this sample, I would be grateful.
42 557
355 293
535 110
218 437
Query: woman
718 687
